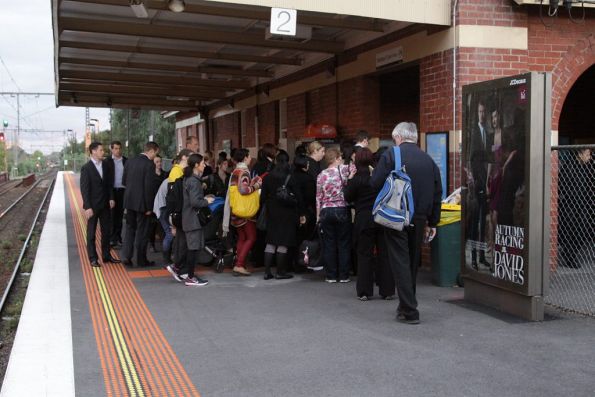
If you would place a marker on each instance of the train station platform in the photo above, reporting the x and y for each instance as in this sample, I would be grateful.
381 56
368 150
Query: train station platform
114 331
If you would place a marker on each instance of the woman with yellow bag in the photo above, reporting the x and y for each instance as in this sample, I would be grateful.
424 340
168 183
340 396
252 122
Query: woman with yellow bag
241 207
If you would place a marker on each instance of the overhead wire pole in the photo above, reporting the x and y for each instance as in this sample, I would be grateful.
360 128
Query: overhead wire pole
15 145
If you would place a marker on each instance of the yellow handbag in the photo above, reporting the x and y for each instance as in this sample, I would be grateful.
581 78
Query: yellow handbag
243 206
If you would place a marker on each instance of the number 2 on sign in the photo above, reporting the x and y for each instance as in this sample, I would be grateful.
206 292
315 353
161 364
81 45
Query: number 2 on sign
283 21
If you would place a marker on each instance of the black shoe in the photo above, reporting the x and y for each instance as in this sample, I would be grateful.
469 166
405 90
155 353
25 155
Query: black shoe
474 265
128 263
149 264
268 261
283 276
110 259
401 318
94 263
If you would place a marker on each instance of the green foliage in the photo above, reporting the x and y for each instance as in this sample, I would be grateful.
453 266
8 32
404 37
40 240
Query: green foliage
137 131
6 245
148 122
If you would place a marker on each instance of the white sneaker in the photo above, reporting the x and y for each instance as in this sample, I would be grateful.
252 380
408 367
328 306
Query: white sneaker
345 280
173 273
330 280
195 282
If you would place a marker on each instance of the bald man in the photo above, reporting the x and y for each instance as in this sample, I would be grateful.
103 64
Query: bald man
192 144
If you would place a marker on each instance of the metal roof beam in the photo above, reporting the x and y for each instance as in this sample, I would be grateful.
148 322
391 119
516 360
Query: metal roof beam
69 99
163 92
151 78
171 67
180 52
259 14
133 28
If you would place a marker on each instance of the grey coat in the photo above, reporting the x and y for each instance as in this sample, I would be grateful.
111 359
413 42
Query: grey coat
193 200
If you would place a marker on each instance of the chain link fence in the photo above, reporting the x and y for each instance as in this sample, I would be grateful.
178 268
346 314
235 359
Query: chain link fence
572 249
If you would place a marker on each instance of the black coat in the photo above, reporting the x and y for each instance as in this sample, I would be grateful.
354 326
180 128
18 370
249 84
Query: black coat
282 221
425 179
359 192
314 167
261 167
479 157
96 191
306 184
139 179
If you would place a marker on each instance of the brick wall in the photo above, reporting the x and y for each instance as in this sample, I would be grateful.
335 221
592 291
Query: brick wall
491 13
359 106
296 116
226 127
268 123
249 137
564 48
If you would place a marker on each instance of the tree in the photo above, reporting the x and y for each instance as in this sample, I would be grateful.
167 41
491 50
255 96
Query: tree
137 131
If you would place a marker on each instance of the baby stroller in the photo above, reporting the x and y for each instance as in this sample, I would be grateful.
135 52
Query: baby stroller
215 250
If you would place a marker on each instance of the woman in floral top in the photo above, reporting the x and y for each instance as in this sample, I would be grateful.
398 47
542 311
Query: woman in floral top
246 228
334 216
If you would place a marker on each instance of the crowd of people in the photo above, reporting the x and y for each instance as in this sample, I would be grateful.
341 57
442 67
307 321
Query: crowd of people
271 206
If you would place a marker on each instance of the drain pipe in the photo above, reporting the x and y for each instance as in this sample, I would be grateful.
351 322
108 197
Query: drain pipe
454 92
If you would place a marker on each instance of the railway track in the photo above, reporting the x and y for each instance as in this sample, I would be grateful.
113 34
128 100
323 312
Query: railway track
46 182
8 186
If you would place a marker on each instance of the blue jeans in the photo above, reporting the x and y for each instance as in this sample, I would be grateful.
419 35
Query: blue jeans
168 238
336 238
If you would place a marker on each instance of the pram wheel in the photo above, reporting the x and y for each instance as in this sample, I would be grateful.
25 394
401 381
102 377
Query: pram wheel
220 265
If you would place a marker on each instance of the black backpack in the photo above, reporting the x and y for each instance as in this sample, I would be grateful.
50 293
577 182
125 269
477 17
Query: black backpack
174 201
284 195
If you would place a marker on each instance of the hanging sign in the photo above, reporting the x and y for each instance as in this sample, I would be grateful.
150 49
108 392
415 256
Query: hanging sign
283 21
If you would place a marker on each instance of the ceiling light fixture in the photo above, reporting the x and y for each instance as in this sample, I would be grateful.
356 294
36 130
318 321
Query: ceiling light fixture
139 9
177 5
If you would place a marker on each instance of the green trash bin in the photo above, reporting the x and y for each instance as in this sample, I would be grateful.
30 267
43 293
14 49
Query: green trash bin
446 248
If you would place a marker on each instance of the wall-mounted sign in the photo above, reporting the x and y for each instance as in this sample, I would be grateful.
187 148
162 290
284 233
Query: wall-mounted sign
283 21
389 57
437 149
505 227
320 131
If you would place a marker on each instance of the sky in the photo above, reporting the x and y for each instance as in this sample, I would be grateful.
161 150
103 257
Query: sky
27 54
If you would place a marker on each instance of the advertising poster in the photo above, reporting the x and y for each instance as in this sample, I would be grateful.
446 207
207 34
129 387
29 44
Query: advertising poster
496 129
437 149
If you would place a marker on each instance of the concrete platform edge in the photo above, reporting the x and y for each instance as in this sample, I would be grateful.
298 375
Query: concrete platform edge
41 361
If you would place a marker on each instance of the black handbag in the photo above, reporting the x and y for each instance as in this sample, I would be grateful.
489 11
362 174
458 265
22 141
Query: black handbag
261 222
204 215
284 196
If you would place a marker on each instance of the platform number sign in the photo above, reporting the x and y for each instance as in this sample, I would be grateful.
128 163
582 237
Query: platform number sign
283 21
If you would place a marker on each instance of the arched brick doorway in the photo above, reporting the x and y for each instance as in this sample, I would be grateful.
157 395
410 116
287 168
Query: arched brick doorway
577 118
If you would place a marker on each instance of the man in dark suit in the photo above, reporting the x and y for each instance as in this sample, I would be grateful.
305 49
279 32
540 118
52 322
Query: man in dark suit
139 180
116 165
404 247
480 145
96 189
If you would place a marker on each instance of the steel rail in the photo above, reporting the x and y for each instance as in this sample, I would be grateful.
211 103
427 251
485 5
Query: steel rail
22 196
12 185
25 244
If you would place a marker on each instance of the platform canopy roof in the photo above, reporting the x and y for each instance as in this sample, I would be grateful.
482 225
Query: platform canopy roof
106 56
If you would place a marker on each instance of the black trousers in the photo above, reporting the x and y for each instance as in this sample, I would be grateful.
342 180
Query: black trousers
180 248
478 227
403 248
103 217
336 235
137 236
372 264
117 214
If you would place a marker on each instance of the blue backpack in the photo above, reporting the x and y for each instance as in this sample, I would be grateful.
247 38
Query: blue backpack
393 207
